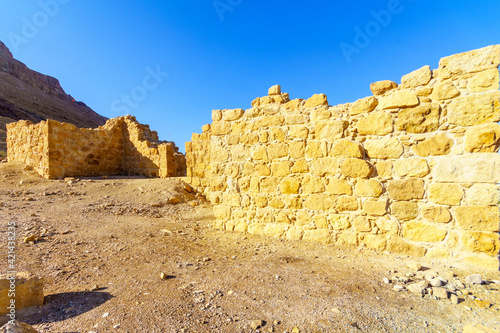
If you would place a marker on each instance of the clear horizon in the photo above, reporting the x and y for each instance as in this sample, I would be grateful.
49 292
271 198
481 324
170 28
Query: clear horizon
170 63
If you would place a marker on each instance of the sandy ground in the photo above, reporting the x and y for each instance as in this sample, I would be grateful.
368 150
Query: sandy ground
106 242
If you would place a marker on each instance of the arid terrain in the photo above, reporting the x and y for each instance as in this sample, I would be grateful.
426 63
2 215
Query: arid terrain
117 256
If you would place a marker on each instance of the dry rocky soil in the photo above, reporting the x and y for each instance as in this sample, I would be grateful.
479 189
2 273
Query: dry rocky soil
117 256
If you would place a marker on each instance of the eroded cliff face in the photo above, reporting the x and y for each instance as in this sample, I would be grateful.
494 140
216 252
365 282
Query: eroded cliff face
28 95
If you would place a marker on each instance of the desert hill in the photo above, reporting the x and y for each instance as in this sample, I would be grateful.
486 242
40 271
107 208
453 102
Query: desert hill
27 94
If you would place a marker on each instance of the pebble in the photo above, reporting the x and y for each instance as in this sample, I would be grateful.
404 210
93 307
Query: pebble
386 281
436 282
482 304
440 293
474 279
255 324
295 330
454 299
414 266
105 314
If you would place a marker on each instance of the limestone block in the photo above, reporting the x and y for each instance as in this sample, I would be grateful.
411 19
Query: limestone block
384 169
216 115
293 104
444 90
486 242
485 80
347 148
376 242
320 114
347 238
404 210
437 252
277 150
482 138
275 90
398 245
375 208
384 148
256 229
276 230
473 168
221 128
241 226
303 218
368 188
316 100
297 149
232 114
269 121
269 185
407 189
298 132
324 166
222 212
411 167
29 291
321 221
280 169
296 119
338 187
347 203
249 139
437 214
266 100
380 87
233 200
419 77
388 225
356 168
300 166
218 184
363 105
482 194
475 109
278 204
312 184
293 203
472 61
484 218
339 222
329 129
376 123
485 261
261 201
277 134
421 119
262 169
362 224
423 232
315 149
238 127
399 99
439 144
322 236
206 128
240 154
445 194
294 233
318 202
256 102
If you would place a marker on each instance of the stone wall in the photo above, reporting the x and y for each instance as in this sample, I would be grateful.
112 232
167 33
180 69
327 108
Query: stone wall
121 146
411 169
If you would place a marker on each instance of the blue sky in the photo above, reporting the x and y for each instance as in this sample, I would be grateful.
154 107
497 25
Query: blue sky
169 63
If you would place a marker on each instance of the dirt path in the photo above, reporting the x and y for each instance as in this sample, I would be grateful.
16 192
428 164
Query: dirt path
105 244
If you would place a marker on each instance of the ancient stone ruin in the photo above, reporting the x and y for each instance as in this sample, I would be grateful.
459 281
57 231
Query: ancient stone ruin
121 147
412 169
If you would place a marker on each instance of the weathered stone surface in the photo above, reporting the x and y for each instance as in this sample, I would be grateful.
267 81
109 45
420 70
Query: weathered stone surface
17 327
482 138
322 236
222 212
318 202
384 169
376 242
324 166
293 104
232 114
423 232
399 99
289 186
411 167
380 87
482 260
362 224
315 149
482 194
439 144
316 100
398 245
29 291
437 214
472 61
277 150
375 208
363 105
444 90
475 109
404 210
275 90
376 123
486 242
345 203
407 189
421 119
419 77
221 127
473 168
312 184
216 115
299 132
320 114
347 148
269 185
356 168
445 194
368 188
276 230
484 81
329 129
384 148
478 328
338 187
483 218
294 233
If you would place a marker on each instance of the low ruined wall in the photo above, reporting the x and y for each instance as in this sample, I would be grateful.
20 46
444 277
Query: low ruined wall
412 169
121 146
28 143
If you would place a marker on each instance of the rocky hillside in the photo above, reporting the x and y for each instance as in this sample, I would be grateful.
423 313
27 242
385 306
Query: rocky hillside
26 94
